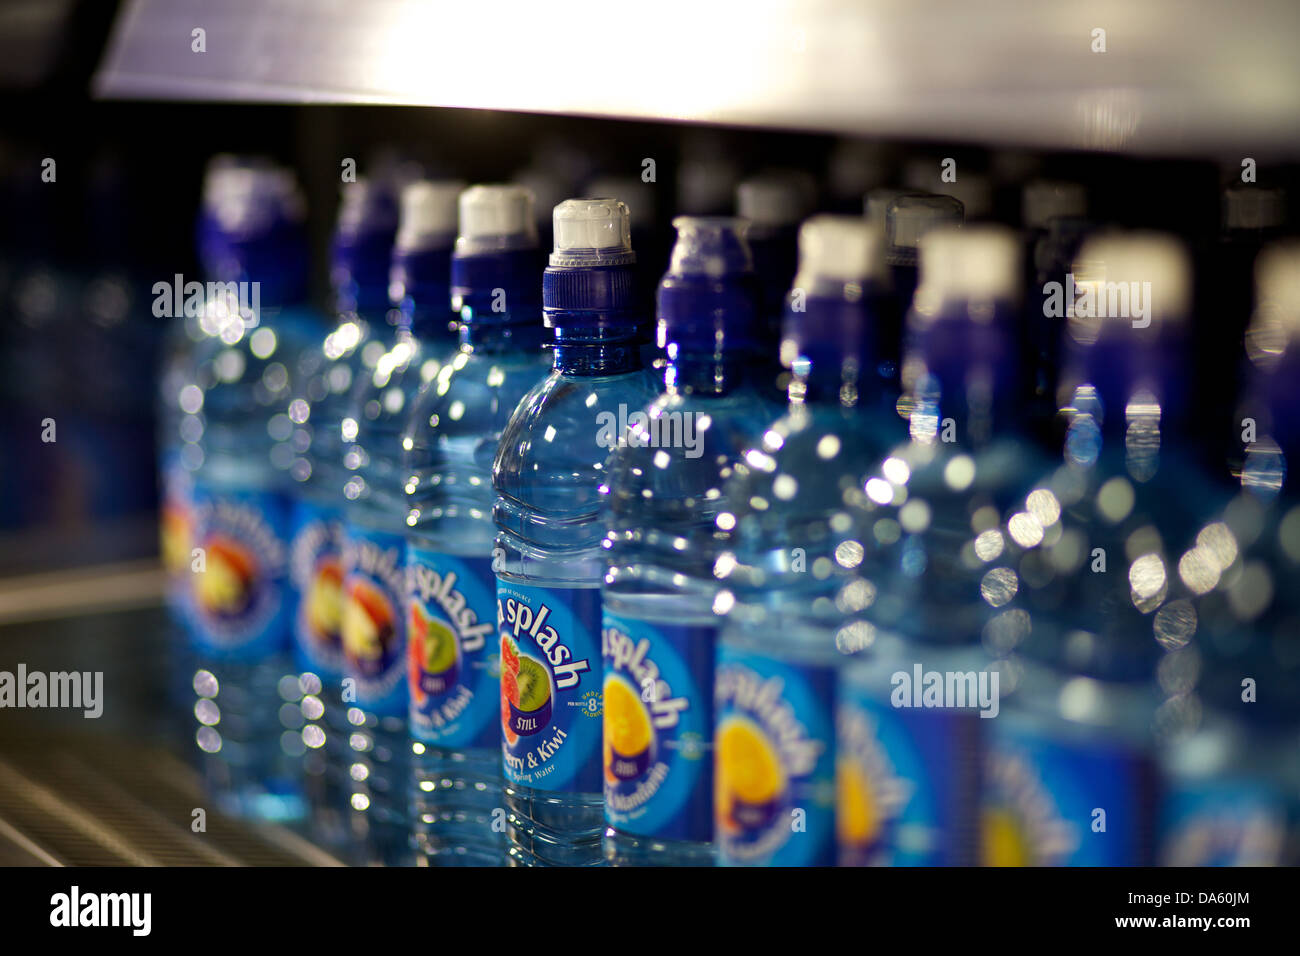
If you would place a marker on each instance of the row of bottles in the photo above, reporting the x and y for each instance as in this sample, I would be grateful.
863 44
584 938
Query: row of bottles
495 567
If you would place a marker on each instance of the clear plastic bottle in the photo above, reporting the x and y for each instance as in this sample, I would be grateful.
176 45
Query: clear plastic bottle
325 377
551 518
792 548
665 490
907 219
452 435
1054 225
775 203
949 517
1071 775
240 605
179 425
1231 777
418 340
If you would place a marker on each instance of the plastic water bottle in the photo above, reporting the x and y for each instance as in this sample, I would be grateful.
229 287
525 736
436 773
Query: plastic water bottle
1071 775
418 342
1252 215
551 518
950 515
665 489
775 203
452 435
240 605
1054 224
907 219
1231 784
179 426
326 376
792 546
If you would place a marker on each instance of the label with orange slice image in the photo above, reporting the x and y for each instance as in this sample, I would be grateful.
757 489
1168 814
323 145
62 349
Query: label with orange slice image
316 573
239 595
774 761
908 783
373 625
453 668
657 752
1043 786
551 700
176 539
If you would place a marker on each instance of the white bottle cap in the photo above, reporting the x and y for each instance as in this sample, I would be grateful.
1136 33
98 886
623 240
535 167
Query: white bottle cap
875 204
1277 296
776 199
247 198
973 190
494 218
911 217
1138 257
1253 207
638 196
1046 199
837 249
354 197
429 214
592 232
972 263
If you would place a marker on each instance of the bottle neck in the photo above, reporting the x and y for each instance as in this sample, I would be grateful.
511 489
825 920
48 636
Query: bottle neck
713 374
588 353
1122 375
359 270
497 337
1270 428
592 312
420 287
271 273
966 379
776 258
830 347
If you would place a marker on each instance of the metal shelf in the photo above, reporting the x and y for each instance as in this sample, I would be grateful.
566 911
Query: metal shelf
1179 77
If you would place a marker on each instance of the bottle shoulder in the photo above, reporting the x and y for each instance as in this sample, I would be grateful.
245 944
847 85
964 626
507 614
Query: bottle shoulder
473 393
572 421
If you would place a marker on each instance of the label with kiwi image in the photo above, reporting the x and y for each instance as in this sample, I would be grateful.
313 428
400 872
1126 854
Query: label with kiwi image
551 693
657 756
373 625
239 601
453 668
774 768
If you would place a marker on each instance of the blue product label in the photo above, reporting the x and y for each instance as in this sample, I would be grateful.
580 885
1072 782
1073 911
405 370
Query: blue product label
316 575
239 599
775 761
454 670
373 625
658 753
551 702
1232 822
907 782
1056 802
